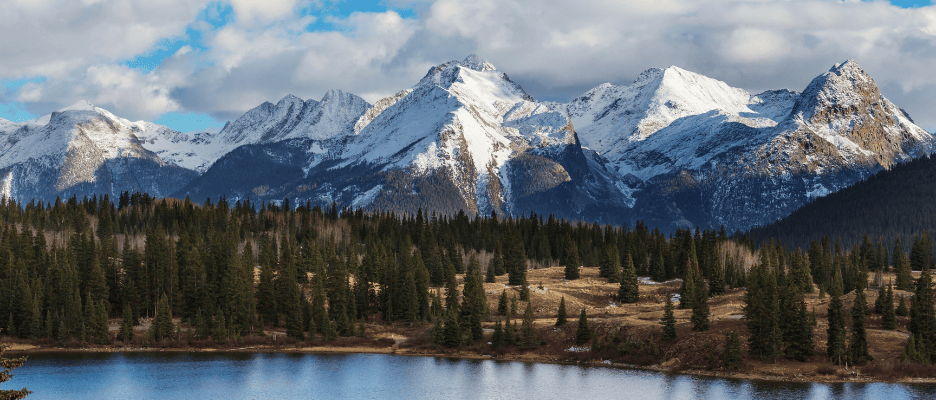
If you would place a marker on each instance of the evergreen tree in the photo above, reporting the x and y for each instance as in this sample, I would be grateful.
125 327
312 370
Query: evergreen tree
628 291
162 325
658 267
732 356
923 316
879 301
835 345
902 310
611 264
474 306
902 268
700 311
561 318
528 338
497 338
502 307
668 321
762 310
582 333
8 365
717 280
858 345
452 334
571 260
126 326
490 276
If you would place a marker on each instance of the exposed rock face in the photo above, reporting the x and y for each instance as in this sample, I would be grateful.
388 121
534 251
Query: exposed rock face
675 149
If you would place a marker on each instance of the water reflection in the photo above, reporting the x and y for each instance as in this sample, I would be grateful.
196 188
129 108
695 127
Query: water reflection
287 376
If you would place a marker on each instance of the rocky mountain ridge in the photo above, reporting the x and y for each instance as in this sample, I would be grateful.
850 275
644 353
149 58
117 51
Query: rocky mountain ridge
675 149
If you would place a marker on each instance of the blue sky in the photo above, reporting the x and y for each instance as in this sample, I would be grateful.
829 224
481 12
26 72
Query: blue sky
208 61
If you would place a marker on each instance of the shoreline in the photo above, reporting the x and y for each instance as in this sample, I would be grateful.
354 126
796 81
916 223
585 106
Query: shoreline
26 350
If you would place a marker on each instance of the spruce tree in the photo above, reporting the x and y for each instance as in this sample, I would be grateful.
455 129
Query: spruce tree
490 276
561 318
610 264
528 338
879 301
668 321
582 333
732 356
474 306
888 315
717 280
571 260
923 316
628 291
902 268
657 266
762 310
162 324
700 311
8 365
497 338
835 345
126 326
502 307
858 345
902 310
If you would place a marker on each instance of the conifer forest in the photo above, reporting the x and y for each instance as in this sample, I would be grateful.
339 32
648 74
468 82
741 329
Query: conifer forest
140 271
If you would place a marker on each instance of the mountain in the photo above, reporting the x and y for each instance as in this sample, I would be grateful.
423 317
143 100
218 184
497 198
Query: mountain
82 150
701 153
674 149
465 138
889 204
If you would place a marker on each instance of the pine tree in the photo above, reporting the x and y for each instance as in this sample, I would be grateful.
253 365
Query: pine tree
126 326
8 365
628 291
902 268
700 311
858 345
490 276
762 310
610 264
162 324
561 318
717 280
668 321
879 301
888 315
923 316
571 260
582 333
502 307
902 310
474 306
452 334
835 346
497 338
657 266
732 357
528 338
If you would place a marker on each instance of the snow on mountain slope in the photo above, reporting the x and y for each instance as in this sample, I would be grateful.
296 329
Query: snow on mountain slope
293 118
81 148
466 117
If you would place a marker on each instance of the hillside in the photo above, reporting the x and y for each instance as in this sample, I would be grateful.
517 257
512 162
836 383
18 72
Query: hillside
891 203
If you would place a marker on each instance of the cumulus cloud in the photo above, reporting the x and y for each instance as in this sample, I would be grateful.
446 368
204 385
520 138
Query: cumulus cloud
556 50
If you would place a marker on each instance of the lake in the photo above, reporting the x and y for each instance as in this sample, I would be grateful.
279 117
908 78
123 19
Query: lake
159 375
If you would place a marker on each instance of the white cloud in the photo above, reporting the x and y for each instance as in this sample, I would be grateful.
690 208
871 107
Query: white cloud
555 49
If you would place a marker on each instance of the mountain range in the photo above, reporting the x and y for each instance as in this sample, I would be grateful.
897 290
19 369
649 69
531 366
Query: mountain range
674 149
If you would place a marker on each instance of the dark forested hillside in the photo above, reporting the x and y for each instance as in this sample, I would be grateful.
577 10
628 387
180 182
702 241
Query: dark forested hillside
900 202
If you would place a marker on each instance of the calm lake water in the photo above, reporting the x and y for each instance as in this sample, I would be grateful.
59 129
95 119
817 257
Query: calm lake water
310 376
